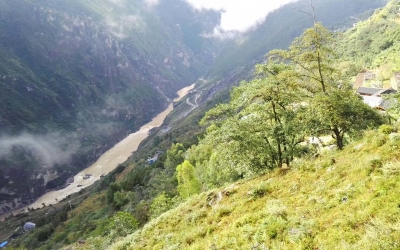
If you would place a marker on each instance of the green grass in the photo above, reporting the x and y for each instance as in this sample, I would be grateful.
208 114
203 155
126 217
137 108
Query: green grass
351 203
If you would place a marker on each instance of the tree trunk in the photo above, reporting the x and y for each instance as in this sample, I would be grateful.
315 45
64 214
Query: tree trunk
339 138
278 139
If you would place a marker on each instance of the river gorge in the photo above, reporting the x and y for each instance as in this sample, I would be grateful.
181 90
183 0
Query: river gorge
107 161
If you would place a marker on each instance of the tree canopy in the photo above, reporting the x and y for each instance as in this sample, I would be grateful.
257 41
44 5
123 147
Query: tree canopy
297 93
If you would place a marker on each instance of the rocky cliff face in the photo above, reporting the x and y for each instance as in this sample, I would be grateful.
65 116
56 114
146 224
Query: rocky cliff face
77 76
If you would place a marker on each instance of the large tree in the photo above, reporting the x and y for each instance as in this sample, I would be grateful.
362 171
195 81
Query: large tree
297 93
333 107
313 58
259 129
342 112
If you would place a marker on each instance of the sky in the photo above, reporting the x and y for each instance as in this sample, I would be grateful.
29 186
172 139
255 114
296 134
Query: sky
240 15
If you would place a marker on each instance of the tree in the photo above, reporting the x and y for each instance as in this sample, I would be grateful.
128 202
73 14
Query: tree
332 107
297 93
112 188
174 157
188 185
119 199
121 224
342 112
313 57
259 129
160 204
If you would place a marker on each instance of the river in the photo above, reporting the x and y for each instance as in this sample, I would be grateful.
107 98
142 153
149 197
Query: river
108 161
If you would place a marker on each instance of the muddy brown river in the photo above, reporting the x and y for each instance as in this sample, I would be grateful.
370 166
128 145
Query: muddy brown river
108 161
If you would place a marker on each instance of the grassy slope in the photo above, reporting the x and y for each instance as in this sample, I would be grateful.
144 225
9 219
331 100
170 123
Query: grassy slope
342 200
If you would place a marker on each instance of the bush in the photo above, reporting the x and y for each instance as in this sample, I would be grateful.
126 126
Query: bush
275 226
122 224
160 204
375 163
44 233
259 191
119 199
386 129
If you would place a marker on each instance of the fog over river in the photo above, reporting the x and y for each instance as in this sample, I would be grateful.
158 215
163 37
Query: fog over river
108 161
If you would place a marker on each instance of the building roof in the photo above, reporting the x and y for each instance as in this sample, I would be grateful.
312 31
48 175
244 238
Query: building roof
368 91
3 244
374 91
29 226
372 101
376 102
385 104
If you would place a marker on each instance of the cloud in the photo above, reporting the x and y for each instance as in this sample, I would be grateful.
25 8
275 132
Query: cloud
151 3
118 2
239 15
48 149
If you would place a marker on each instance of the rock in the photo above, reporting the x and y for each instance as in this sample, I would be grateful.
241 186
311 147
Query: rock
213 199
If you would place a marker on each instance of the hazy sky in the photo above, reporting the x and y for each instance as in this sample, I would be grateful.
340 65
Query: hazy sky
240 15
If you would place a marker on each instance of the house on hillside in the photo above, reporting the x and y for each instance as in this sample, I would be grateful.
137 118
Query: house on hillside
366 91
3 244
373 97
29 226
153 159
367 79
370 76
376 102
396 81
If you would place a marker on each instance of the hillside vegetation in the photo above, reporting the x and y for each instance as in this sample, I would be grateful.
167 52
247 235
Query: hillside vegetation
298 92
342 200
374 43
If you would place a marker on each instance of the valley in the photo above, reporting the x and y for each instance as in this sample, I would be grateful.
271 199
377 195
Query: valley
230 162
82 80
106 163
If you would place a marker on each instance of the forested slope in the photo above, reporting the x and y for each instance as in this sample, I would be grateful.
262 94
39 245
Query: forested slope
375 43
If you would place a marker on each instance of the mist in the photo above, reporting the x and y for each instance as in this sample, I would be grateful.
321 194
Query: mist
49 149
238 15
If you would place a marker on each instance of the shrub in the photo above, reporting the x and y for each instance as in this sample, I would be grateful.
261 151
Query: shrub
386 129
274 227
276 208
160 204
259 191
122 224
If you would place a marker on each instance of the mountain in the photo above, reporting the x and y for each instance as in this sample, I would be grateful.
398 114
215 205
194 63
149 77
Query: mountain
278 31
263 209
77 77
